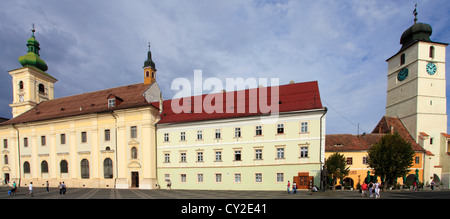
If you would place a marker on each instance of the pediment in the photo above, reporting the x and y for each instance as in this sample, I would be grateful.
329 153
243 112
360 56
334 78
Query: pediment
134 164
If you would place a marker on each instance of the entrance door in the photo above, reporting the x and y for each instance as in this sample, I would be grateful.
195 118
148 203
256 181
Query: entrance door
302 180
6 178
135 179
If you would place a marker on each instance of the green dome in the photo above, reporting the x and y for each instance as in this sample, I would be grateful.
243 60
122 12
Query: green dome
32 57
417 32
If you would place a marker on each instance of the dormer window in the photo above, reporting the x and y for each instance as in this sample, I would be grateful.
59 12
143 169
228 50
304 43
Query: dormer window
112 102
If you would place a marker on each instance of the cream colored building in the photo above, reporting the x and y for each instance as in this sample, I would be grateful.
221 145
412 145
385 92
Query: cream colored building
244 151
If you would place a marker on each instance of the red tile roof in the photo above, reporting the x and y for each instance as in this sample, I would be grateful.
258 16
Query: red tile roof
292 97
94 102
348 142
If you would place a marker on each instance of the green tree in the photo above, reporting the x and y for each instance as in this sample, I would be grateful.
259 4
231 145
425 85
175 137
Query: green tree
391 158
336 165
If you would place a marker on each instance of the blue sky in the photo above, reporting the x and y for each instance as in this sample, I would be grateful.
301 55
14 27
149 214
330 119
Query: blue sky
94 45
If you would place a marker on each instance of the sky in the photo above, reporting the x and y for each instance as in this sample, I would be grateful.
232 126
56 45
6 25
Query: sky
95 45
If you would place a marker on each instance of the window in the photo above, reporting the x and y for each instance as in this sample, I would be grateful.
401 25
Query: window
349 160
199 156
199 135
280 153
44 167
84 169
431 140
304 152
237 132
26 167
218 155
402 59
280 129
183 157
237 178
21 85
218 177
63 166
258 130
183 178
43 140
280 177
112 102
304 127
107 135
108 168
134 153
258 177
63 138
133 132
237 155
5 143
366 160
200 177
218 134
166 137
166 158
41 89
431 51
25 142
5 159
83 137
258 154
417 160
183 136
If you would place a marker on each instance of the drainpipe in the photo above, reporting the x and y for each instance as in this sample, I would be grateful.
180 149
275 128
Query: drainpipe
115 137
18 151
320 151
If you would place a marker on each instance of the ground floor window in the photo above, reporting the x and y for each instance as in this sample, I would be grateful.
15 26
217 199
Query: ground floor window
108 168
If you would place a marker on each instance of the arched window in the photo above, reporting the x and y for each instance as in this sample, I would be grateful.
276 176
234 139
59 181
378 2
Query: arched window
153 74
26 167
21 85
41 88
6 159
63 166
402 59
44 167
108 168
134 153
431 51
84 169
147 74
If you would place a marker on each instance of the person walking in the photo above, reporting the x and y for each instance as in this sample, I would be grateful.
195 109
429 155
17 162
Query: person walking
30 188
377 189
64 188
47 186
288 186
60 187
169 185
370 189
432 185
364 190
294 188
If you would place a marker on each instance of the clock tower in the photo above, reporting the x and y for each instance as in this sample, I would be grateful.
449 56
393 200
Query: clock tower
31 83
416 93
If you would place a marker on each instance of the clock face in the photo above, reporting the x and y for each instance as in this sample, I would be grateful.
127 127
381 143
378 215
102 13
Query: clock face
431 68
402 74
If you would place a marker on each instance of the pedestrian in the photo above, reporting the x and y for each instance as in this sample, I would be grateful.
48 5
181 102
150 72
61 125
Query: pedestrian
47 186
294 188
169 185
14 188
415 186
377 189
288 186
60 187
364 189
30 187
64 188
432 185
370 189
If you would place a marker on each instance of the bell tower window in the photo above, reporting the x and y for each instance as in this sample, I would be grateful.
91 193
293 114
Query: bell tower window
431 51
21 85
402 59
41 89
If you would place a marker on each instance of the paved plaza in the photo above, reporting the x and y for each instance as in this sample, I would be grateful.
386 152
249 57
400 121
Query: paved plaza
92 193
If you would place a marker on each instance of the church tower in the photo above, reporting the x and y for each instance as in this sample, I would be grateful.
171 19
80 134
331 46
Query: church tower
149 68
31 83
416 92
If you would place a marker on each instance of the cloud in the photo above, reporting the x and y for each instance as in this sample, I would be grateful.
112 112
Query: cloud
93 45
